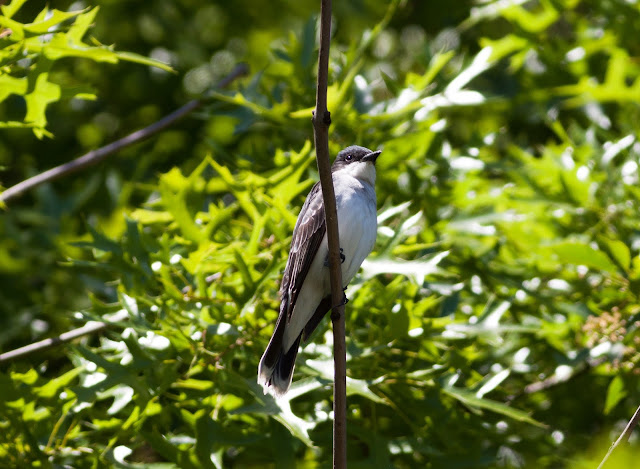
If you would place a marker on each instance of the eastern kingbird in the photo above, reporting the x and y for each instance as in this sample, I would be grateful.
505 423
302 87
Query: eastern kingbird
305 288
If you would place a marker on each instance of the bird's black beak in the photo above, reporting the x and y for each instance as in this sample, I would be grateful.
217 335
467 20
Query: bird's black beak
372 156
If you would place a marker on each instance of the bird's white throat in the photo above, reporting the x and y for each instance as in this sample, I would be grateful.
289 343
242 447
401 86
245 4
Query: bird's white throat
363 171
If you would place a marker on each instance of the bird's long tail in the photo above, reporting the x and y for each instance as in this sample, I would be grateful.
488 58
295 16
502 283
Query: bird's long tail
276 365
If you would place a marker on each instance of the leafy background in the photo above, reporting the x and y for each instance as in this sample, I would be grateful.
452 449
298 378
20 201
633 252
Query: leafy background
495 324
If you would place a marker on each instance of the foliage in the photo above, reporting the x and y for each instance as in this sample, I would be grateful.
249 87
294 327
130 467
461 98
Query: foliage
504 284
29 51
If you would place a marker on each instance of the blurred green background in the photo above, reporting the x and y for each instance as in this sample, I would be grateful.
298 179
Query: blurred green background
496 322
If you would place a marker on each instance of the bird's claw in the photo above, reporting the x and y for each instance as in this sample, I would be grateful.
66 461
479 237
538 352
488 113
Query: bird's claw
334 313
345 300
342 258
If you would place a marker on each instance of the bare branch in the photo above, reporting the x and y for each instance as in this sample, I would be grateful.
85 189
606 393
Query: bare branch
96 156
89 328
321 120
624 437
556 380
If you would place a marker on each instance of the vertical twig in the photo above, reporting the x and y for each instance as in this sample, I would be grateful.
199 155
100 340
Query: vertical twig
321 120
624 436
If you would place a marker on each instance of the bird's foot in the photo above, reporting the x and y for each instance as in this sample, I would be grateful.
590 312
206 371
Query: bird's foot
342 258
334 313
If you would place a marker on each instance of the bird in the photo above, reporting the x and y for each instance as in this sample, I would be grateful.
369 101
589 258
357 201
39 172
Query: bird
305 289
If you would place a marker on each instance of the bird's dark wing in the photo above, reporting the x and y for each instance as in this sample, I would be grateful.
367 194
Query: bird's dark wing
322 309
307 236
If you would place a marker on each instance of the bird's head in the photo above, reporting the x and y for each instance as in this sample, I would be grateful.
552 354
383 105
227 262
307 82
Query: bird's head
358 162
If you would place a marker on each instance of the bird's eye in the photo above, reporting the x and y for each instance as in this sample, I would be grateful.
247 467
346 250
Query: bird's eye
349 158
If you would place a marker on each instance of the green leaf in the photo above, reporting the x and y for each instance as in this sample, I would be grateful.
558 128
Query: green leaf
28 378
53 386
615 393
63 40
122 396
207 439
136 248
392 85
469 399
243 268
32 414
577 253
362 388
81 25
618 252
11 9
533 22
44 93
142 60
416 270
504 46
437 63
493 382
196 384
11 85
148 217
169 451
47 19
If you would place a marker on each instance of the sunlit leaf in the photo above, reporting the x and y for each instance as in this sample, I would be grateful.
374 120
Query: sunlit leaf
471 400
416 270
55 385
615 393
582 254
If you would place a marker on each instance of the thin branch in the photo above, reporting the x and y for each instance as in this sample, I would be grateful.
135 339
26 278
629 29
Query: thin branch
321 121
624 437
556 380
89 328
96 156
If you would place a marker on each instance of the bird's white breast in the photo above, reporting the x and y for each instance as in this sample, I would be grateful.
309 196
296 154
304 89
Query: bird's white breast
357 227
357 220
